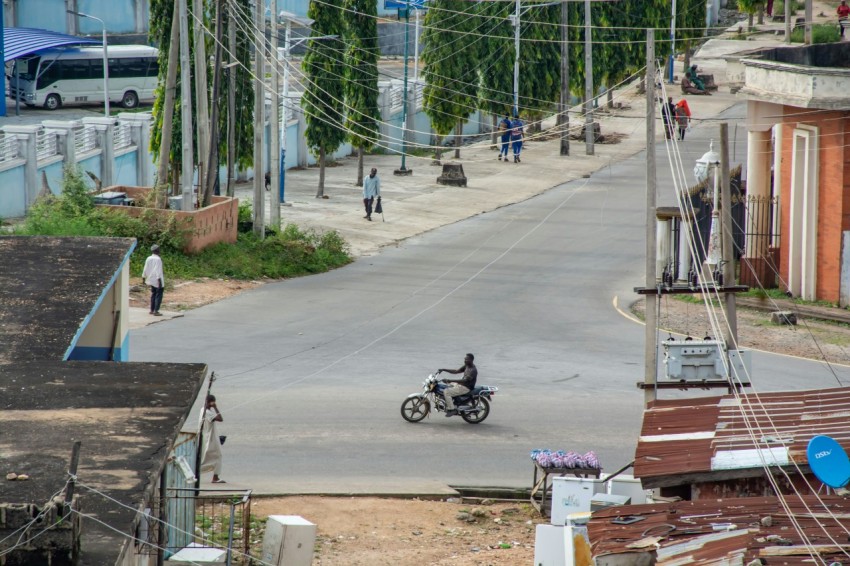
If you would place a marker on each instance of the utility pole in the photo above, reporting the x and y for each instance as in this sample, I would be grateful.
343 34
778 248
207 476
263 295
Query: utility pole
808 26
212 161
403 170
186 180
259 121
564 103
516 58
589 134
168 104
651 332
730 304
416 50
201 88
787 22
672 42
287 45
275 130
231 98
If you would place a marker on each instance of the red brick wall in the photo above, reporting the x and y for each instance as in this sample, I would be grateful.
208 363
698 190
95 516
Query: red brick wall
204 227
833 201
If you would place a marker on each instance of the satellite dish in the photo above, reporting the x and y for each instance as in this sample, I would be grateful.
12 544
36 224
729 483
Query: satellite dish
828 461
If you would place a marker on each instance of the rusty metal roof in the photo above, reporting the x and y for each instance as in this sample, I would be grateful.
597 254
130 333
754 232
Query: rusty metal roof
707 439
727 531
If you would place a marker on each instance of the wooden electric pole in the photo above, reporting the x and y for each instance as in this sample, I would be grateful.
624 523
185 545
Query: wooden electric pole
651 331
259 122
201 88
275 130
727 241
168 109
564 102
589 134
212 161
186 176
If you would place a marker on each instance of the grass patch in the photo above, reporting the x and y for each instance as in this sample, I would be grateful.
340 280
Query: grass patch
289 253
821 33
779 7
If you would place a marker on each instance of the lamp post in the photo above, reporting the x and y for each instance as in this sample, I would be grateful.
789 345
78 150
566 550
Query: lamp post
403 170
711 159
105 60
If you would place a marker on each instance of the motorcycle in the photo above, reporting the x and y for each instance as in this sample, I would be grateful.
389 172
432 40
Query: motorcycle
473 407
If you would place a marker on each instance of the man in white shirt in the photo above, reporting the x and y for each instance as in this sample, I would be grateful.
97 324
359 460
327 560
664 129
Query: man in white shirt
154 277
371 189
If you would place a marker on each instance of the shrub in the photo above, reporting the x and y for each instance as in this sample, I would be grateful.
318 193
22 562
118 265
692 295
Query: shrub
821 33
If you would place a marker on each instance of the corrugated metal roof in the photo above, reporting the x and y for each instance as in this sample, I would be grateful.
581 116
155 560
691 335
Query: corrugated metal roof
709 435
18 42
726 531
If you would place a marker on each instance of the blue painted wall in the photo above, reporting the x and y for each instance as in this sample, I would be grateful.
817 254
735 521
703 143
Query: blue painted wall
12 193
124 169
54 177
118 15
91 164
45 14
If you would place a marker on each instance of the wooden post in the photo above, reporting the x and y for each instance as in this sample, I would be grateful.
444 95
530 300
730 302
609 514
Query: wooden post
72 473
651 333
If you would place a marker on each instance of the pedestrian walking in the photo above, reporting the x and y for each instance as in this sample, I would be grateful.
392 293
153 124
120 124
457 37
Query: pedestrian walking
505 130
683 117
155 278
371 189
517 137
668 115
211 449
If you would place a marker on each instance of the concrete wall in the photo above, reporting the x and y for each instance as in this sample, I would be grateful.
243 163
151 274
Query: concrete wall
50 541
106 333
13 201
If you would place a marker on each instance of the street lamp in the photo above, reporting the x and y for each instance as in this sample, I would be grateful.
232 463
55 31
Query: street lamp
105 60
711 159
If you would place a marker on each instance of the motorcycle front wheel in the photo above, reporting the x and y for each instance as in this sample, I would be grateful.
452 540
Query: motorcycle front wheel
414 409
482 409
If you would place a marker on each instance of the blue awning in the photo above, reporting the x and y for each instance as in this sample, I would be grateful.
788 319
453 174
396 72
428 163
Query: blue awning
18 42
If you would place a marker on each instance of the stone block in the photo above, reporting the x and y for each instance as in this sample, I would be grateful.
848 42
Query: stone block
783 317
452 175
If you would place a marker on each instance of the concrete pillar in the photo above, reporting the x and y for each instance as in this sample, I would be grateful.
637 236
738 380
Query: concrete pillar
105 128
26 136
65 142
302 138
384 108
141 20
754 268
684 251
71 19
140 133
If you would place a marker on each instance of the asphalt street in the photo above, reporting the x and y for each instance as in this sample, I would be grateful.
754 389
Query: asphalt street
311 372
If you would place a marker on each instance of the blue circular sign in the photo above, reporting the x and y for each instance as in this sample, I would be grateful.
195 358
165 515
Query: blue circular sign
828 461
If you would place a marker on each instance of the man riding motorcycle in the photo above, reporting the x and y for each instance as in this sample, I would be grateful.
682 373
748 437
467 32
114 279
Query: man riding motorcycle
460 386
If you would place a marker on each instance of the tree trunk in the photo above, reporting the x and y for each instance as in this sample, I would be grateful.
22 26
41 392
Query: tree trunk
494 135
761 15
750 21
610 94
321 192
359 166
439 154
687 55
458 138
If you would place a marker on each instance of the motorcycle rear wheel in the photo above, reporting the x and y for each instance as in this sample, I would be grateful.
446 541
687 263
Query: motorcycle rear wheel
414 409
481 412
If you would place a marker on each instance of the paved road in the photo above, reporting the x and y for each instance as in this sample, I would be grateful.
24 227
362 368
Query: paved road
312 371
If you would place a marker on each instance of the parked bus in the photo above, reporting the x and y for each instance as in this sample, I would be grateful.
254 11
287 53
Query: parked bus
54 77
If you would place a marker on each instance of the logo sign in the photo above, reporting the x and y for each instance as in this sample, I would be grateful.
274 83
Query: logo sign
828 461
404 4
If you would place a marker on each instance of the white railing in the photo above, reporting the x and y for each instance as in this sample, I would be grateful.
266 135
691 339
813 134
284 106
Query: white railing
45 144
85 139
396 97
121 135
419 95
8 148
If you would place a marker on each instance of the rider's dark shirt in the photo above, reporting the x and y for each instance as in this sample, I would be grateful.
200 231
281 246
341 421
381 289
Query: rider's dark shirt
470 376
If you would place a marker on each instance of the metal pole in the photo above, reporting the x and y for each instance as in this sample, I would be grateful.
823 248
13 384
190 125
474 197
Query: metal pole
564 103
105 70
287 44
259 216
516 58
650 346
274 134
727 240
186 110
589 134
403 169
416 50
672 41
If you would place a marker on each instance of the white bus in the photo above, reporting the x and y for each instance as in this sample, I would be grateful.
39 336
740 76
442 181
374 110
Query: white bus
54 77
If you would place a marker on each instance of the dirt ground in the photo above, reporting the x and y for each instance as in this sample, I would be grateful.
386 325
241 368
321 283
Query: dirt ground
186 295
367 531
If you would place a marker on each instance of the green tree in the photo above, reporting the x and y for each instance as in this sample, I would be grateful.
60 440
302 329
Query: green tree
540 56
450 66
750 7
323 99
496 68
361 86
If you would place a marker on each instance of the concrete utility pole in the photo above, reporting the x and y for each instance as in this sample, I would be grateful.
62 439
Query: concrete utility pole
672 42
168 103
403 170
730 304
287 46
589 134
516 58
201 87
231 99
808 26
186 180
564 102
259 122
275 131
651 332
787 22
212 161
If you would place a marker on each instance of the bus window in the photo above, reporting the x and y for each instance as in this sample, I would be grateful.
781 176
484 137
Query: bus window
74 69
